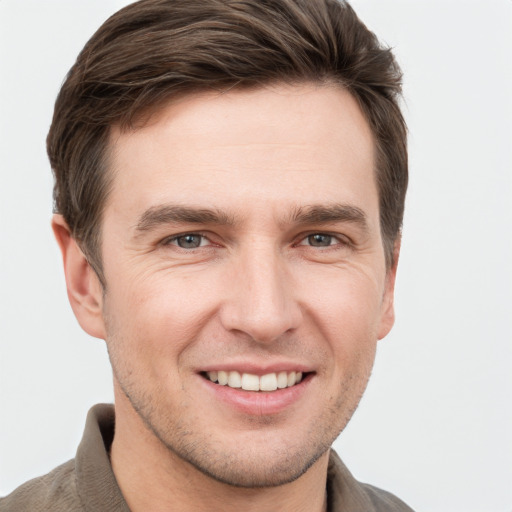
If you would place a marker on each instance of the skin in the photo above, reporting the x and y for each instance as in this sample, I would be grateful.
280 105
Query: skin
259 290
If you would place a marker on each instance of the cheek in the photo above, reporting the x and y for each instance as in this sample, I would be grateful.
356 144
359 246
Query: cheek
346 315
347 301
157 314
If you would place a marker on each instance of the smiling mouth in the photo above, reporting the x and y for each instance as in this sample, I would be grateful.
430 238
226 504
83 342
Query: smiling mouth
251 382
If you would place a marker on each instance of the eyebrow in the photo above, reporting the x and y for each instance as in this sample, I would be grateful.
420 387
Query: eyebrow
313 214
332 213
173 214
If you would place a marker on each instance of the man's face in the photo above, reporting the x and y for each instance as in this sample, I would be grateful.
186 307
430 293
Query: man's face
241 240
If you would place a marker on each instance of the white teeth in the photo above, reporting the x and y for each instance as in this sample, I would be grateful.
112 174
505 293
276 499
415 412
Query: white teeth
250 382
268 382
234 380
282 380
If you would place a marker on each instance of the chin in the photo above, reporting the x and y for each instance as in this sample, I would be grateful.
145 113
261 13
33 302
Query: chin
255 468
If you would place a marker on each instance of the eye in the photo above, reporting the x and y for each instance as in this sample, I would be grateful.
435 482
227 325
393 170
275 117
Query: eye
320 240
188 241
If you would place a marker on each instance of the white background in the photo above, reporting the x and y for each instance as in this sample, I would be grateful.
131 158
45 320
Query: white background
435 426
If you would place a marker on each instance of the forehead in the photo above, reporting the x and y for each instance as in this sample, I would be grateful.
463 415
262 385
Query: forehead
295 144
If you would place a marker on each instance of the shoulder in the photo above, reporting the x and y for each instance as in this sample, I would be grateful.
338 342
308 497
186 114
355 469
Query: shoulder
384 501
55 492
349 495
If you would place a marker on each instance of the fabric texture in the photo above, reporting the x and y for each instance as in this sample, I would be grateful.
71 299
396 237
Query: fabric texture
87 482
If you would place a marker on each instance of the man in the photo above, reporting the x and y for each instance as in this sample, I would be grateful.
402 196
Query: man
229 187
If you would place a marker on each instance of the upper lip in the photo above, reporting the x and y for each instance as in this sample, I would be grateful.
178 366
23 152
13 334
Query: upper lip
258 368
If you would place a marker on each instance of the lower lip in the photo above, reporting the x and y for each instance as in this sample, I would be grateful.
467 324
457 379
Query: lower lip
259 403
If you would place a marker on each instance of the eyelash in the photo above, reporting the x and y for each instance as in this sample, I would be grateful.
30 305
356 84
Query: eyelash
340 240
169 241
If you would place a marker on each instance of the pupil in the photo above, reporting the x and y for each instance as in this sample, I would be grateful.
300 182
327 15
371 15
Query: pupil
320 240
189 241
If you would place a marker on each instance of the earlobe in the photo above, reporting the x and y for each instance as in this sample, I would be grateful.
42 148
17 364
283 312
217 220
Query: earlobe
84 289
388 301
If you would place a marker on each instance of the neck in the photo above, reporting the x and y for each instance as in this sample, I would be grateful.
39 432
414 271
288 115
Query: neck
152 477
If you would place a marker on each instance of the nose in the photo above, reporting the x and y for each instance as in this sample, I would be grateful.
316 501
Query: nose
260 299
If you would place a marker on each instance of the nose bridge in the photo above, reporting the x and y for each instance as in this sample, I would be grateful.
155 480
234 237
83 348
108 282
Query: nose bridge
262 301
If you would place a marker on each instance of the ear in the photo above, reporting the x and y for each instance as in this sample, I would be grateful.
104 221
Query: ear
84 289
388 301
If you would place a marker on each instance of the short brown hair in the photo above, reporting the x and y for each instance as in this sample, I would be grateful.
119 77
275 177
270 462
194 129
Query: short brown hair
154 50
